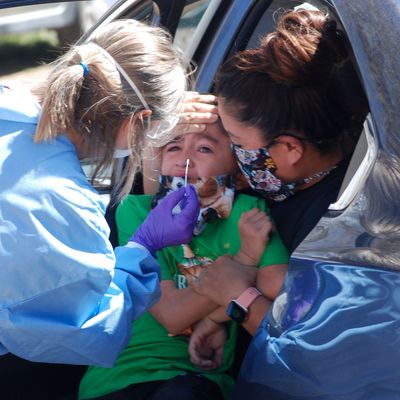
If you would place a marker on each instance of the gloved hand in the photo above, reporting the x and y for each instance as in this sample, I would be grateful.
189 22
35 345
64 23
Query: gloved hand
162 228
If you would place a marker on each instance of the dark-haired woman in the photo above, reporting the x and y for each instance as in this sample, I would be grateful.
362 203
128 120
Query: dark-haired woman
290 121
284 109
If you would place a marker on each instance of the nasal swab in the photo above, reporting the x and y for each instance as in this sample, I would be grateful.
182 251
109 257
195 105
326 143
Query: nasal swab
186 171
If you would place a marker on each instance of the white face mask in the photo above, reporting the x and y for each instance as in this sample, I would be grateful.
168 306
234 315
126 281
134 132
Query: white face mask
122 153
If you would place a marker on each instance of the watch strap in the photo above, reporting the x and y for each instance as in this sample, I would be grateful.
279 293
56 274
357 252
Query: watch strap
248 296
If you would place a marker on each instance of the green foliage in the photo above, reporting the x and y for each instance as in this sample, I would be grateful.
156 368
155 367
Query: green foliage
26 50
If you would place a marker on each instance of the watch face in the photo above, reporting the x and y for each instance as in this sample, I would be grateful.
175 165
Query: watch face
236 312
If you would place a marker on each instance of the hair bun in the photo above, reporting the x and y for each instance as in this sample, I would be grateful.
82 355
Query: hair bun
303 48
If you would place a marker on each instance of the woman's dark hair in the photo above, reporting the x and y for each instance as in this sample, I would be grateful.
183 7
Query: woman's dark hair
288 84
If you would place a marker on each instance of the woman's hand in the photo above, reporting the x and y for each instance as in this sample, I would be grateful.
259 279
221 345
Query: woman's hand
163 228
197 111
224 280
206 344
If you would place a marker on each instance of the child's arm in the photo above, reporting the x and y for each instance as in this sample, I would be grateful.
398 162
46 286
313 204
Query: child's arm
179 309
254 227
207 339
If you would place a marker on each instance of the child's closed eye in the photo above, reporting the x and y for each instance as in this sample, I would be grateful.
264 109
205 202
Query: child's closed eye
173 147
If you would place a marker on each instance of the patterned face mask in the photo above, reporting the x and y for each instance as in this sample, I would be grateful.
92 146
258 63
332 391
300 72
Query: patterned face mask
258 168
215 195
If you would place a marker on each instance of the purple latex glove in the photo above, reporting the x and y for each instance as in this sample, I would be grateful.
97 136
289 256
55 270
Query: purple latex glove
162 228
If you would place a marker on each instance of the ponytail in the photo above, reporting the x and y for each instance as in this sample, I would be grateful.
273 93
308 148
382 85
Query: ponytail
95 87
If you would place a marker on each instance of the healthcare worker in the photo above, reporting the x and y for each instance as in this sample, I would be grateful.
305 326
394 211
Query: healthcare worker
65 296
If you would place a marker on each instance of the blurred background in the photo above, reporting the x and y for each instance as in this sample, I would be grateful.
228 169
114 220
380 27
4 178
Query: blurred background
33 36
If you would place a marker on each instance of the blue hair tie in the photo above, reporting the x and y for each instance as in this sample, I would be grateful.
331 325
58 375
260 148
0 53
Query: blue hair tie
85 69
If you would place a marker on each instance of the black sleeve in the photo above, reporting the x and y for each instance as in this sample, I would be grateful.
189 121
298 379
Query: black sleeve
296 216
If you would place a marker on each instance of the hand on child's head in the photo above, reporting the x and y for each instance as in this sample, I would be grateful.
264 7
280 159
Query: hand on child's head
197 112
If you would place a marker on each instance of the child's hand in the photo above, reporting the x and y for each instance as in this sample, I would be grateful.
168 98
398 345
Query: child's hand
255 227
206 344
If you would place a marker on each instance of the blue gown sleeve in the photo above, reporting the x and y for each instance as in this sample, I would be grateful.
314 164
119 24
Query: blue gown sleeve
65 296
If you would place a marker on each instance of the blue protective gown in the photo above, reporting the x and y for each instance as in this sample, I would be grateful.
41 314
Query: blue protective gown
65 296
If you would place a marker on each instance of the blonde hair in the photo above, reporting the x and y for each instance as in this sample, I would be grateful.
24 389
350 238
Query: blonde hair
95 102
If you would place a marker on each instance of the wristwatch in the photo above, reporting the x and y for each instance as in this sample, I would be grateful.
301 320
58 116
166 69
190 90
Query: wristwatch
238 309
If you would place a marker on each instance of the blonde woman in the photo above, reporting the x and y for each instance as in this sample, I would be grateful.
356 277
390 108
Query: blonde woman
65 295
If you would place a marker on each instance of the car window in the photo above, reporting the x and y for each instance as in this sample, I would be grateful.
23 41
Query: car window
266 23
189 21
32 36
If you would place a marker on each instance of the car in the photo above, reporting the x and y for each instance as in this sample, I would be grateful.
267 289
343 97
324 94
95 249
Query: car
69 19
352 255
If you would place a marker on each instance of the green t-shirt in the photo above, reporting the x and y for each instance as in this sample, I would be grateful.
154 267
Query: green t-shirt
151 353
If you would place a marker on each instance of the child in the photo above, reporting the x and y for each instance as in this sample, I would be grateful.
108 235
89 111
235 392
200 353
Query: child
156 363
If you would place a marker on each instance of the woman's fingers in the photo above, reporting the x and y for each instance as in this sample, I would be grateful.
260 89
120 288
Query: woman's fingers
196 97
200 117
196 112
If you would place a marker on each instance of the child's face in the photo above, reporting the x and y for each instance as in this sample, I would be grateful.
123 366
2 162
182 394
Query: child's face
209 153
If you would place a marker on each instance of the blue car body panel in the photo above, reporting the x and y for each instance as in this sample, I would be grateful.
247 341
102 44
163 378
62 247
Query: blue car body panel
333 333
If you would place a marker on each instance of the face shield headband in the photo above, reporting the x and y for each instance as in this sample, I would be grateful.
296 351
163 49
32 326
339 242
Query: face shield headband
156 129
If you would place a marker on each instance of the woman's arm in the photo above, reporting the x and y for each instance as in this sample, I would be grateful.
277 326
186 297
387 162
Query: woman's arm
235 278
178 309
269 282
208 336
67 298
